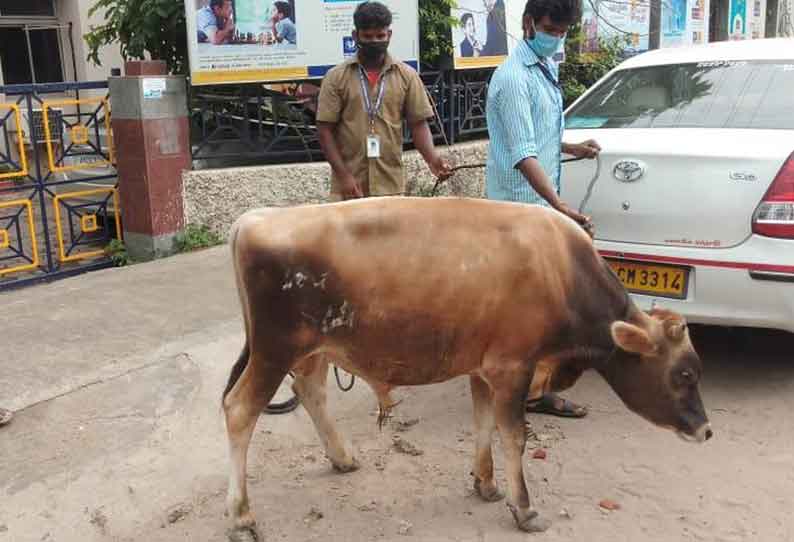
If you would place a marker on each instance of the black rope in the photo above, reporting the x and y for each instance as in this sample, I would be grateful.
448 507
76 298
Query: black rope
284 407
292 403
339 380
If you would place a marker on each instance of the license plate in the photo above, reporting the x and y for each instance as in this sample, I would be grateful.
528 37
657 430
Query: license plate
654 279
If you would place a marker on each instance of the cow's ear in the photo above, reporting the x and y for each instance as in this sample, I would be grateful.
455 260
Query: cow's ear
632 338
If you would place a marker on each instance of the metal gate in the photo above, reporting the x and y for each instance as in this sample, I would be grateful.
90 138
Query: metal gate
59 207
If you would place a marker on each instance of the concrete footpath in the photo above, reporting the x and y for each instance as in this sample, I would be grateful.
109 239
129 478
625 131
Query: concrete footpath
116 378
82 331
104 370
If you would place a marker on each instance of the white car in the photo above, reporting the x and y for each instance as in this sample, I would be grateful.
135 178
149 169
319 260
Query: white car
694 203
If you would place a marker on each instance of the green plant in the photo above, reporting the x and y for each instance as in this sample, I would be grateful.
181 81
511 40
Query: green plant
194 237
156 27
424 191
435 23
117 252
581 70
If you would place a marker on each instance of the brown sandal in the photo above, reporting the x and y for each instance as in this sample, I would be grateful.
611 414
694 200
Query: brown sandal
547 404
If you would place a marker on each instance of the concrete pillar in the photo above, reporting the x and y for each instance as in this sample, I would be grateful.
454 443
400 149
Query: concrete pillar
152 141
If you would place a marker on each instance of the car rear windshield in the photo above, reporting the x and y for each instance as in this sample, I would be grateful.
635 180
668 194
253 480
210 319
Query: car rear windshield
718 94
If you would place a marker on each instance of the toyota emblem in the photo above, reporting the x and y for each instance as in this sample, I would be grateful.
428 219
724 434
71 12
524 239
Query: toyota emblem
628 171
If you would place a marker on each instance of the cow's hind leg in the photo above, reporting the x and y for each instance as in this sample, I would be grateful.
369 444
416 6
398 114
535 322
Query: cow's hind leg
510 382
246 398
484 426
310 387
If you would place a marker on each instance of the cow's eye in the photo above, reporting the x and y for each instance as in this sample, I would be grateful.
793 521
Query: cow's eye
688 376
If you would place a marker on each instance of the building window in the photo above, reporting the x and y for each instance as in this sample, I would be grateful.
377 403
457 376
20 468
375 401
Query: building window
16 63
27 8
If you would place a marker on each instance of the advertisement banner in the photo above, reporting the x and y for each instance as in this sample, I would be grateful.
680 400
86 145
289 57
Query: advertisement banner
747 19
684 23
241 41
674 23
487 31
738 19
697 21
607 20
757 26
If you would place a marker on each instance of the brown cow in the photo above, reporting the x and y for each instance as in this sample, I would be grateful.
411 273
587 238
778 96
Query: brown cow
403 292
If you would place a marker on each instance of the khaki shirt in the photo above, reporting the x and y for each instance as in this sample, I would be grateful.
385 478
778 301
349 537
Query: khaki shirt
341 103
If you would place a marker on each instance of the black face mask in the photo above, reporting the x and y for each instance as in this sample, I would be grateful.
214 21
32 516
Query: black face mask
372 50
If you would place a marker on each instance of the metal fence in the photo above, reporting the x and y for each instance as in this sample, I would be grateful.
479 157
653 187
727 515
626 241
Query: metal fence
255 124
58 186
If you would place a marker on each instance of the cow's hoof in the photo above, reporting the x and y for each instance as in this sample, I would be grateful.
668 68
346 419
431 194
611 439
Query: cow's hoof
243 534
489 492
344 468
534 525
528 521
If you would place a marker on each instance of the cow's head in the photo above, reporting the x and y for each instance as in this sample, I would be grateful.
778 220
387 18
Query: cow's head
656 372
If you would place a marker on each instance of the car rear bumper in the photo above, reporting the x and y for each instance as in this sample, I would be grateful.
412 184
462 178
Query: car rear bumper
748 285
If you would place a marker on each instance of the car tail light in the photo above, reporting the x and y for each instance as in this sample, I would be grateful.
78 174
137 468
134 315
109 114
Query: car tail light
774 217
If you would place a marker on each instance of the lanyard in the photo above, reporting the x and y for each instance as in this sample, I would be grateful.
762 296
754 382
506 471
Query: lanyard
548 75
371 109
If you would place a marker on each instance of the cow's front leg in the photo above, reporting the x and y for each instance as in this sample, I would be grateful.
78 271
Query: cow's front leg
484 427
510 382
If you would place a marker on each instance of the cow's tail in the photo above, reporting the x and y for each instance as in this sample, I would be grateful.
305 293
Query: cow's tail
237 370
242 361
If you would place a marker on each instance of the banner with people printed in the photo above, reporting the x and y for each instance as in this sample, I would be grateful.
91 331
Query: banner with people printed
238 41
605 20
487 31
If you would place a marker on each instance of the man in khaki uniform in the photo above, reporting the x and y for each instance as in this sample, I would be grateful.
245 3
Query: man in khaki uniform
360 112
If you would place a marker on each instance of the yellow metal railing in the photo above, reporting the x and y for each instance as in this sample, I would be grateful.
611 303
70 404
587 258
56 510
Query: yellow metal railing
5 238
14 108
88 223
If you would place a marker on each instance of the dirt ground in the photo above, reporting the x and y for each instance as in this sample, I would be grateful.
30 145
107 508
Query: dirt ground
116 378
141 457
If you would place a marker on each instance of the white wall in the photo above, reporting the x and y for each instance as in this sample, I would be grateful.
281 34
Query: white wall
76 12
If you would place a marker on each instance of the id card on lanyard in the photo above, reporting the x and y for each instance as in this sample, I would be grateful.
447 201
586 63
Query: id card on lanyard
372 109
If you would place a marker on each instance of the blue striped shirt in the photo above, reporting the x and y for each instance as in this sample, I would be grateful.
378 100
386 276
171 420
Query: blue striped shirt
525 120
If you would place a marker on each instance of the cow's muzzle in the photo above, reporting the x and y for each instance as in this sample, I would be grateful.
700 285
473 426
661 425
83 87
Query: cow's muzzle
701 435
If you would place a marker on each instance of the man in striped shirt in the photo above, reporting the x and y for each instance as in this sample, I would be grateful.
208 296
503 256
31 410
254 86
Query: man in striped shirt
525 125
